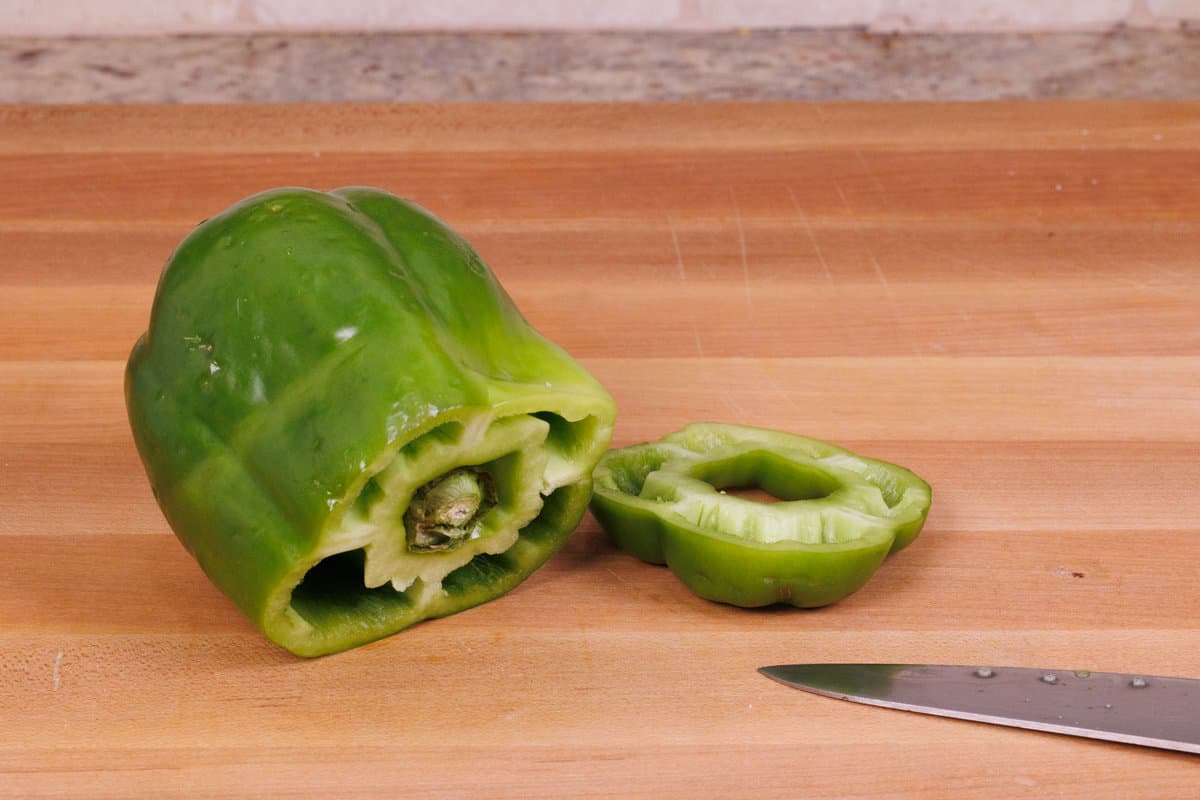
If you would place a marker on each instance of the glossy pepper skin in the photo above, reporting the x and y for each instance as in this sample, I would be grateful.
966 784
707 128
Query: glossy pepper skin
318 363
840 514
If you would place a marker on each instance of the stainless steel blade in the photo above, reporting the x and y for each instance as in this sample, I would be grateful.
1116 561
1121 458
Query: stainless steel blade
1144 710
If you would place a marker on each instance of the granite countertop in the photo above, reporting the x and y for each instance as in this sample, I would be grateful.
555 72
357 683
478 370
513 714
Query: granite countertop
603 66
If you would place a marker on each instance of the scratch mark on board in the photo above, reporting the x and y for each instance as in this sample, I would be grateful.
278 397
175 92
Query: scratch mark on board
845 203
870 173
57 670
774 388
959 261
886 285
739 413
737 216
812 238
883 281
678 250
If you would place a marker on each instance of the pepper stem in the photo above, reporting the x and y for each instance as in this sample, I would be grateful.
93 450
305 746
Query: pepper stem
446 511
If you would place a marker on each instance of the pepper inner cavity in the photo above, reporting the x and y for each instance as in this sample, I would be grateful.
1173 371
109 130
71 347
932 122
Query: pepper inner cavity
447 510
762 476
751 493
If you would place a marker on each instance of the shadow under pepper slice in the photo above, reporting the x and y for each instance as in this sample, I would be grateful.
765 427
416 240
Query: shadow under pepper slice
839 516
347 421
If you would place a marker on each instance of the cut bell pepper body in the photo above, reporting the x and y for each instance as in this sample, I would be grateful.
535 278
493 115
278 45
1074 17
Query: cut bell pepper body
314 362
838 517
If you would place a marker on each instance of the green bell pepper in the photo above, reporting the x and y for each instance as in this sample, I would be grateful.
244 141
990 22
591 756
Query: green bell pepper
349 424
840 514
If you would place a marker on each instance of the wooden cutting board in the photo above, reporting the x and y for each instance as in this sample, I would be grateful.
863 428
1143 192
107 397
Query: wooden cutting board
1003 297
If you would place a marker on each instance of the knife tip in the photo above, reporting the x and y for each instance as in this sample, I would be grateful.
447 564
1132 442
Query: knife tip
773 672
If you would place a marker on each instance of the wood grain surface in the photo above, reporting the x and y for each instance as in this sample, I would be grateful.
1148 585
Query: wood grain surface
1003 297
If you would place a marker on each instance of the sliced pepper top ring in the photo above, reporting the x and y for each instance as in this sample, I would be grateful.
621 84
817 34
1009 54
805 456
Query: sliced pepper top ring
839 514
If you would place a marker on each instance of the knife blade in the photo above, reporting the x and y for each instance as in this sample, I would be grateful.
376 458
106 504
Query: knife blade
1145 710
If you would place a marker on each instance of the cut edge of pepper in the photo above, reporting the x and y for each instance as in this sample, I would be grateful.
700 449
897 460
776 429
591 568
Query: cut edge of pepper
570 439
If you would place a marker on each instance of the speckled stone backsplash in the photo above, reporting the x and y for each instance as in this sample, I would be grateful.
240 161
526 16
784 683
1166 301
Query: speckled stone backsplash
594 66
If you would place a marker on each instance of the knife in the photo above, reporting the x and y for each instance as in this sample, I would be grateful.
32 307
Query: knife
1135 709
